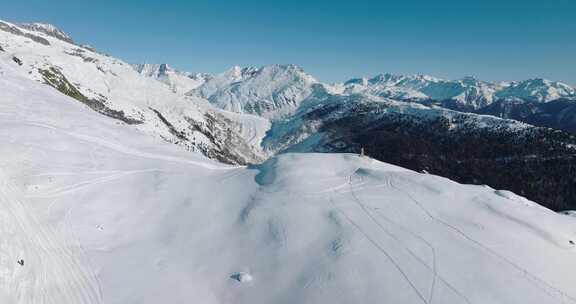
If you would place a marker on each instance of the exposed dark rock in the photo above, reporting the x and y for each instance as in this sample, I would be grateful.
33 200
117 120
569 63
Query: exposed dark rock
17 60
227 146
16 31
82 54
56 79
53 32
180 135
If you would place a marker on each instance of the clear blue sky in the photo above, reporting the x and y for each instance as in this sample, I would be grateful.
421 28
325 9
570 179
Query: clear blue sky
332 40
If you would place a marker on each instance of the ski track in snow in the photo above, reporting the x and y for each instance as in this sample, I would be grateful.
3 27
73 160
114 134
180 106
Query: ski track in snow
77 186
123 149
537 281
375 243
420 260
54 270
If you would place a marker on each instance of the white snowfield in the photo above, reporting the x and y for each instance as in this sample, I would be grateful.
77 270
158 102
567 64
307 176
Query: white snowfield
101 213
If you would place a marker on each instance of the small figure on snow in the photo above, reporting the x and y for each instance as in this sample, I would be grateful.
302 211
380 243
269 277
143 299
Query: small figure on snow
21 262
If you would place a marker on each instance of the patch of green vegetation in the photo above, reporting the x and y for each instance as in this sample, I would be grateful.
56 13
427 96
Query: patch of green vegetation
56 79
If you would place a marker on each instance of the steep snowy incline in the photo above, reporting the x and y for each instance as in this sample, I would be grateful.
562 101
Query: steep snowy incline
101 213
113 88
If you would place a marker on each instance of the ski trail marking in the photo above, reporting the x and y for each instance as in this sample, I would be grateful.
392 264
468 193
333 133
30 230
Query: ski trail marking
54 272
537 281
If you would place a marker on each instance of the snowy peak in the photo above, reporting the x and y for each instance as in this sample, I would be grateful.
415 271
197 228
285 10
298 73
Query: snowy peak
271 91
238 73
468 91
179 82
268 72
537 89
152 70
47 29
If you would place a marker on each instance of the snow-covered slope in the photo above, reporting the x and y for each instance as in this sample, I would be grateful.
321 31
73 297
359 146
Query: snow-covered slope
180 82
113 88
102 213
273 91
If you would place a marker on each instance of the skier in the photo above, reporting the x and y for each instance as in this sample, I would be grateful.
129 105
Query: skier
21 262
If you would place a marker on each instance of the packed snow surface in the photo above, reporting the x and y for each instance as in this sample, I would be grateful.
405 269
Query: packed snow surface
101 213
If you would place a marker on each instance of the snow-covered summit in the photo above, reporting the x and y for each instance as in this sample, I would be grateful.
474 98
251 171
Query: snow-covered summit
47 29
467 91
178 81
537 89
270 91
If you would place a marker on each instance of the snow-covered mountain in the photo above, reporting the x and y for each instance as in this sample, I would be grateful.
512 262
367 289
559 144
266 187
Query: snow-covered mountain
467 92
272 91
537 89
113 88
180 82
98 212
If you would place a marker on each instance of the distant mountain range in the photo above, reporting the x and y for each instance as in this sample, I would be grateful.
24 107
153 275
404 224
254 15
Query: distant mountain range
275 91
